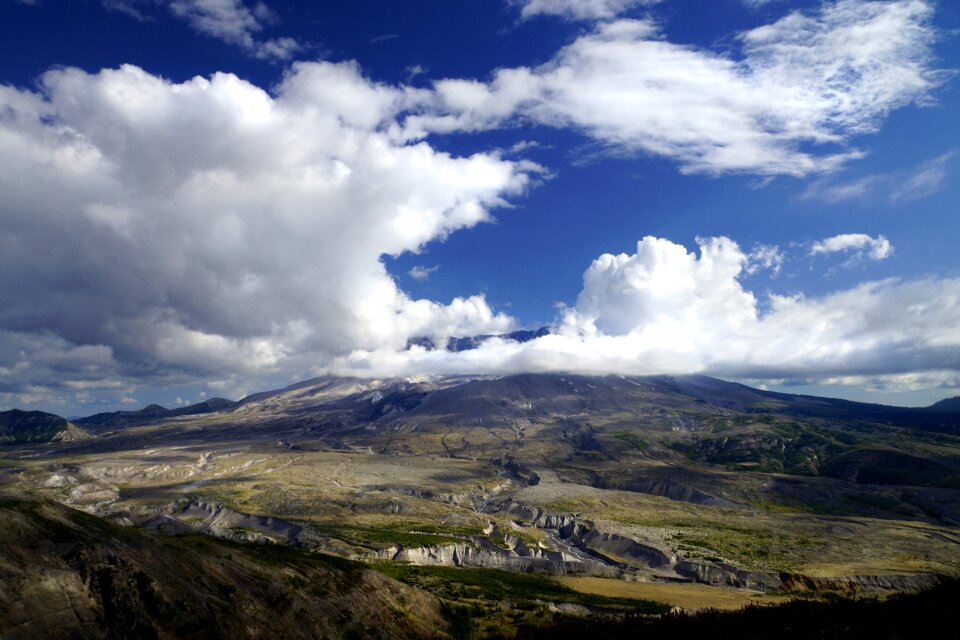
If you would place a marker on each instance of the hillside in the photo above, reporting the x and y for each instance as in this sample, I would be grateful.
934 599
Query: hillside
69 574
23 427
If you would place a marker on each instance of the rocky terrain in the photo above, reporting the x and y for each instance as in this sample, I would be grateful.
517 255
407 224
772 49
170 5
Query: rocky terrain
663 480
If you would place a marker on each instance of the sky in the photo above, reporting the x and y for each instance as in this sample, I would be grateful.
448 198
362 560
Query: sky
205 198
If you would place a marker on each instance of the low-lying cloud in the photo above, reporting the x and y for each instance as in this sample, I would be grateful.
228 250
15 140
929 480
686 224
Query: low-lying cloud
666 310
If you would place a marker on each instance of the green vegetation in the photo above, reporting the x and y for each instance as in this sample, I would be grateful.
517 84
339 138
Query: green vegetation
26 427
522 590
364 536
631 439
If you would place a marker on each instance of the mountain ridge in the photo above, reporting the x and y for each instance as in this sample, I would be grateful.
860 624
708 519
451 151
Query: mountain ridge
710 389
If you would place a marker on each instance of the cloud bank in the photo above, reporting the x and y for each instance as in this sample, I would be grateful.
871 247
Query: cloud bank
666 310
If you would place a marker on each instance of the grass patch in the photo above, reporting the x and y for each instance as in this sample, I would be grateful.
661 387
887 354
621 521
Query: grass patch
522 590
632 439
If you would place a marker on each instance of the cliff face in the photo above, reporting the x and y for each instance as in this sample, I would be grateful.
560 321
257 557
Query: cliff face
67 574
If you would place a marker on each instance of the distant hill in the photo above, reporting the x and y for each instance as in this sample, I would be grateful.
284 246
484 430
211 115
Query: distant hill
24 427
947 405
152 413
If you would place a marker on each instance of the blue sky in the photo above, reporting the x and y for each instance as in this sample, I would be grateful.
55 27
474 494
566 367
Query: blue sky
213 197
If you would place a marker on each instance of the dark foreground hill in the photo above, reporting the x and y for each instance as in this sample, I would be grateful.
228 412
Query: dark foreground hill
67 574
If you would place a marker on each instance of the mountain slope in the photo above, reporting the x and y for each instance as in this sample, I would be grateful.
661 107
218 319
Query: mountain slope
69 574
23 427
947 405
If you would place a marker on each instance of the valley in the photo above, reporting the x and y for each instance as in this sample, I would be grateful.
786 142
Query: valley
690 491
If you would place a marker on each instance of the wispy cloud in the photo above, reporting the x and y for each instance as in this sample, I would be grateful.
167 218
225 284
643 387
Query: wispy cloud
415 70
833 191
913 184
231 21
765 256
925 180
790 103
235 23
422 273
578 9
756 4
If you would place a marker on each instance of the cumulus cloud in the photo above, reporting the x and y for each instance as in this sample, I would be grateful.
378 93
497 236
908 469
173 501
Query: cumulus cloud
664 309
861 245
578 9
788 104
155 230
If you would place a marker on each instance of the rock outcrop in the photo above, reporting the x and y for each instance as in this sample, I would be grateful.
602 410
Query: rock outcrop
213 518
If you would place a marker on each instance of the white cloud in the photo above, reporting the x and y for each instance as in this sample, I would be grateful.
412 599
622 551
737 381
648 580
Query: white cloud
162 231
578 9
861 244
422 273
801 88
231 21
666 310
900 382
765 256
756 4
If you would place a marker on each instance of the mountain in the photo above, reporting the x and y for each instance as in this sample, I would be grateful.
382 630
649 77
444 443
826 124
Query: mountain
152 413
22 427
